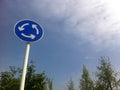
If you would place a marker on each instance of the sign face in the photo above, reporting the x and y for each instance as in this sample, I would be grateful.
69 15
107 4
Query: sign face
28 30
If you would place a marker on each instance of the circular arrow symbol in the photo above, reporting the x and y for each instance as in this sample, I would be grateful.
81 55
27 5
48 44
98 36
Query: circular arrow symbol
30 36
35 27
21 28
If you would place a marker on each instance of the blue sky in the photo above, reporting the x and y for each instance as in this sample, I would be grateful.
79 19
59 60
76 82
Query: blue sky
76 32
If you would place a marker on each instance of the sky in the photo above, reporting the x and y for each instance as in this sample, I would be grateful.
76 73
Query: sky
76 33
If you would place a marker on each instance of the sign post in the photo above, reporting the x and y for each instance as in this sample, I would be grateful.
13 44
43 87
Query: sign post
25 66
28 31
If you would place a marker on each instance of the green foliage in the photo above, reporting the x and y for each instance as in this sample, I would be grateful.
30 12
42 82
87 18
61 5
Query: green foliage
86 82
106 76
38 82
70 85
10 80
35 81
50 84
7 80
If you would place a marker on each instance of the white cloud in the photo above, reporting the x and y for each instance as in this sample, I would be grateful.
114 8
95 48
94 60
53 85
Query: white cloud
89 19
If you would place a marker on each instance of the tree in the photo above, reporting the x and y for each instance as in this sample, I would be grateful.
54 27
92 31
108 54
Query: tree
38 82
86 82
50 84
70 85
106 76
35 81
7 80
10 80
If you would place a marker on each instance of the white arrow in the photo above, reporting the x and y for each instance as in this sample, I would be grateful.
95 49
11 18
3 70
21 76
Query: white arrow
30 36
21 28
35 27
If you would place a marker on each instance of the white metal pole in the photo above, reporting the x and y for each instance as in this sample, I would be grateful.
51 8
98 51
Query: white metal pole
22 84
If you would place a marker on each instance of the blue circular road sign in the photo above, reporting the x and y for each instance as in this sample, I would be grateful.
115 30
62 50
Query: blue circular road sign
28 30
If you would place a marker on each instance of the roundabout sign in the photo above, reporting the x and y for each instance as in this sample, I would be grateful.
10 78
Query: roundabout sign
28 31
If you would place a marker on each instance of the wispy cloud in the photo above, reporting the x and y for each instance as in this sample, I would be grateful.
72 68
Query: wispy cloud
88 19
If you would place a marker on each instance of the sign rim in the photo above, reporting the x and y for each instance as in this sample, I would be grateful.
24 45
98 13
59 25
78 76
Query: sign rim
32 21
